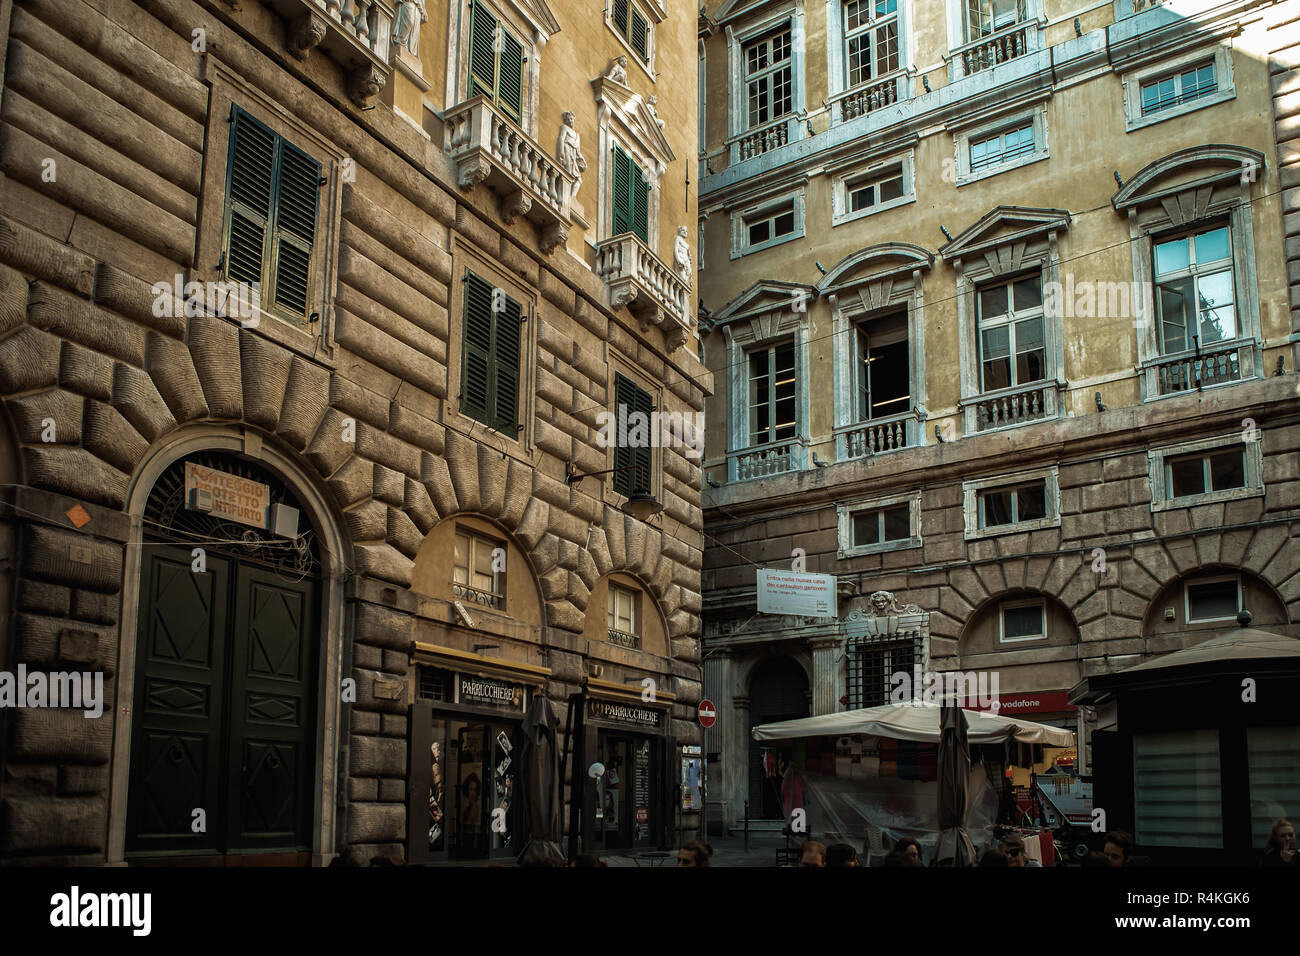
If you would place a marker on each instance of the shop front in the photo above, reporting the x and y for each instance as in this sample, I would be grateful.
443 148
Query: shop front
465 795
630 804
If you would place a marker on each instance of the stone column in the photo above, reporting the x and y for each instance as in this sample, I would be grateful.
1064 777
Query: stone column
737 758
717 688
828 674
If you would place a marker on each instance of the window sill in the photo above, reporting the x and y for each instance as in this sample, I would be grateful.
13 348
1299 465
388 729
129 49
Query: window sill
902 544
1134 123
750 250
1020 527
1209 498
841 218
966 178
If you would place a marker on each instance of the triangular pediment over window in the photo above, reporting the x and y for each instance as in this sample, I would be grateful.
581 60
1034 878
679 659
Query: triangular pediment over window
1005 226
732 9
1185 182
873 264
766 297
633 119
538 14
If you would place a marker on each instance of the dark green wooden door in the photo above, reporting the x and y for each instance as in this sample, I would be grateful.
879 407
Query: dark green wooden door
224 707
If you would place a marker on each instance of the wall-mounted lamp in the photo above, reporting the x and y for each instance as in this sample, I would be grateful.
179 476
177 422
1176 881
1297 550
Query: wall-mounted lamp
640 504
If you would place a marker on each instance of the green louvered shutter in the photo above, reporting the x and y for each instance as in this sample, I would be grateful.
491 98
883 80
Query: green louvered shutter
295 228
624 457
642 457
251 182
640 37
482 51
641 206
505 361
625 173
476 364
620 15
511 89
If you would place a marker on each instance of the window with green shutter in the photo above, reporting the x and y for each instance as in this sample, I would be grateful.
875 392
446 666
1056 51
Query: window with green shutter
632 26
631 200
272 191
632 460
490 354
496 61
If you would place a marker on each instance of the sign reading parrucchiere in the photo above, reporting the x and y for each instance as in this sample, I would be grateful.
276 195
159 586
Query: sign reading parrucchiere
618 713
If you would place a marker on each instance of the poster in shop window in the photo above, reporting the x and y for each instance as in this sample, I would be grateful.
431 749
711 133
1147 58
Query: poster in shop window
641 789
692 770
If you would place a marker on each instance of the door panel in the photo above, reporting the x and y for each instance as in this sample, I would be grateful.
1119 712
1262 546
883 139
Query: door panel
271 708
179 701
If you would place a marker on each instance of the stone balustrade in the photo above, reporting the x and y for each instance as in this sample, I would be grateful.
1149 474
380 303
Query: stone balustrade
1006 44
872 96
1188 370
648 286
488 147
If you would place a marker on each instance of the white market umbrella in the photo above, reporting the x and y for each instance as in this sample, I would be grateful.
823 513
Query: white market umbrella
915 721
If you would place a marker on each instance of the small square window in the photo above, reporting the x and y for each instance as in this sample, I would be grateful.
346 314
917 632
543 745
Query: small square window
881 525
1024 621
1215 600
1006 506
1205 472
866 528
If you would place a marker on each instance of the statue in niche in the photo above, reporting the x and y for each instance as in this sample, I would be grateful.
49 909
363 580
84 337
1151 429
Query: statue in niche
406 25
568 150
682 255
617 71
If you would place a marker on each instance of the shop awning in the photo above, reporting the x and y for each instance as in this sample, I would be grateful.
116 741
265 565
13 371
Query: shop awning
915 721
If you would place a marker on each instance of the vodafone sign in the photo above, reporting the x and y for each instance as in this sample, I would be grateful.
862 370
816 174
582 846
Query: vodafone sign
1044 702
708 714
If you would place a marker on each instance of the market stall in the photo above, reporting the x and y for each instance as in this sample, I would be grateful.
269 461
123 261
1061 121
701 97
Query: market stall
862 775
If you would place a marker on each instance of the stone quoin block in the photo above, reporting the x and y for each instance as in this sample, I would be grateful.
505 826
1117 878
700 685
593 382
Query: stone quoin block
66 825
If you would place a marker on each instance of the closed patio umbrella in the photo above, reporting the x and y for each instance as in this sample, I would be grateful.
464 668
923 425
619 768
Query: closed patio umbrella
541 780
954 847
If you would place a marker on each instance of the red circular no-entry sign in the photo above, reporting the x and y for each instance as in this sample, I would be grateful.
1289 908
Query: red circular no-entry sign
708 714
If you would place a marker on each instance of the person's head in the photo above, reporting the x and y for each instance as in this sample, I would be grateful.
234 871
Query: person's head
1094 859
694 853
588 859
1013 848
472 786
994 858
1282 836
841 854
1118 848
910 849
813 854
568 117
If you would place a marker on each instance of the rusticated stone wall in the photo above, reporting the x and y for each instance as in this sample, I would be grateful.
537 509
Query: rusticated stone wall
116 97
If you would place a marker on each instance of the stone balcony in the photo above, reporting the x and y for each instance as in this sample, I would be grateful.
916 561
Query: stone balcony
488 147
868 97
355 33
648 286
988 51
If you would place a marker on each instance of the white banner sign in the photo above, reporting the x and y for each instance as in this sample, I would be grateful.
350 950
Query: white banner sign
796 592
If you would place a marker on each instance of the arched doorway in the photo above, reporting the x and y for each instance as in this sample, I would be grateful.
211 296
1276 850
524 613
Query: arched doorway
225 672
778 690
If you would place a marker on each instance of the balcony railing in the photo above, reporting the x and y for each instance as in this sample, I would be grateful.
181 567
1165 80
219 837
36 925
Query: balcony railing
1006 44
756 142
488 147
1184 371
484 598
356 33
764 460
648 286
862 100
1011 406
624 639
877 436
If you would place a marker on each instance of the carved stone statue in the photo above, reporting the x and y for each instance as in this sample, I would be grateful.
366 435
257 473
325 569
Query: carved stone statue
406 25
884 603
652 105
682 255
568 150
617 71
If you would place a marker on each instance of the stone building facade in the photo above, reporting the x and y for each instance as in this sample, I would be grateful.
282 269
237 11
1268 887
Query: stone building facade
326 546
960 361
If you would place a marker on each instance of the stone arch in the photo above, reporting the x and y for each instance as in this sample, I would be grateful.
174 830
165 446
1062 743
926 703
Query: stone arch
1066 577
1223 159
430 574
748 664
654 629
333 544
1258 596
980 633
